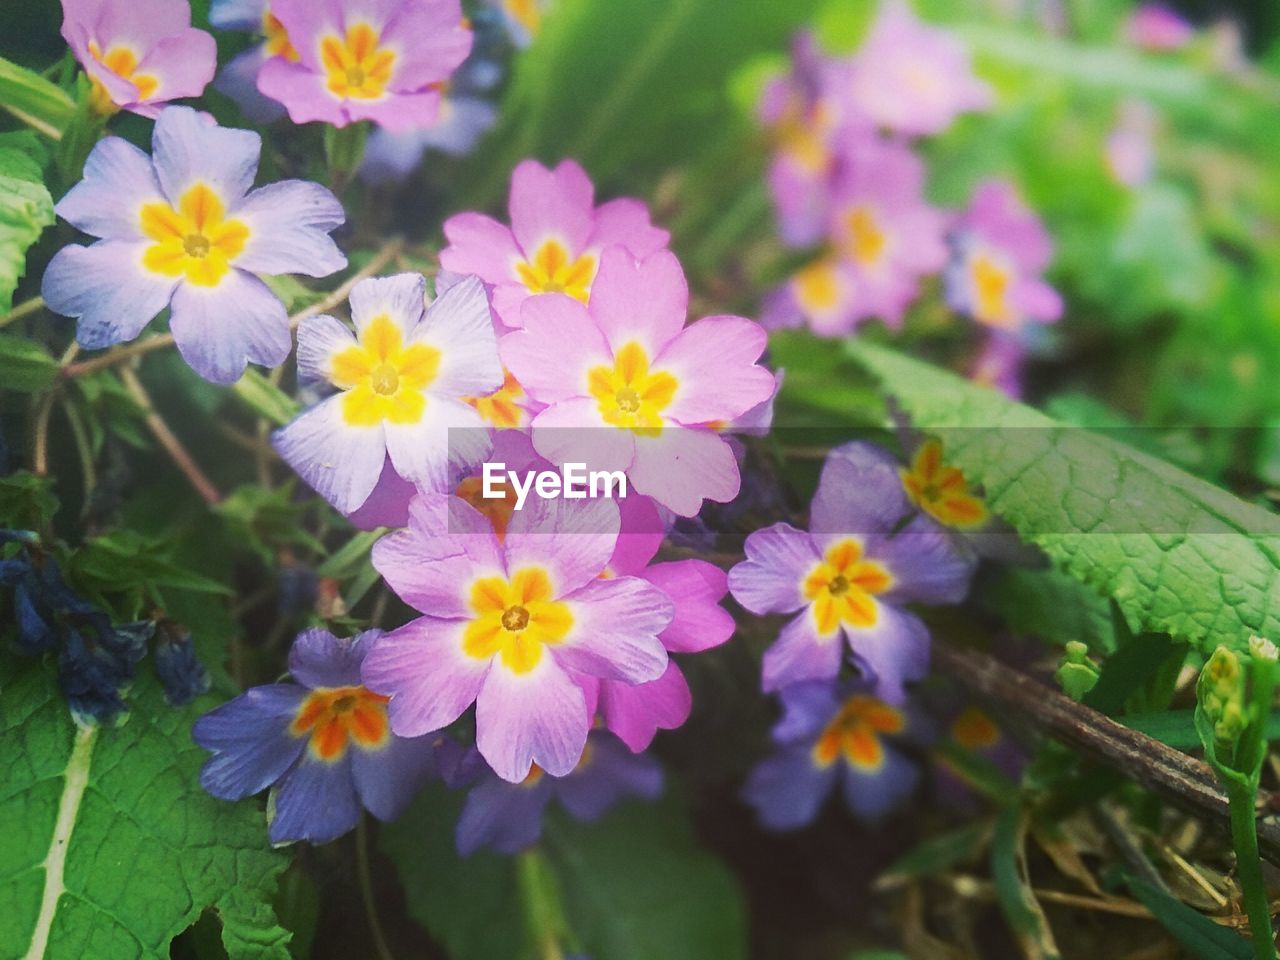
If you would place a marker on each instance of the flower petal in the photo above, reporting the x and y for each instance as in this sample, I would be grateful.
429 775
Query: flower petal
460 325
316 801
118 180
572 539
289 224
559 345
482 246
625 222
641 301
506 817
219 330
715 362
387 779
615 630
551 203
770 579
449 439
188 148
896 650
319 338
536 717
250 739
800 653
319 659
696 588
340 462
684 466
788 788
106 287
636 712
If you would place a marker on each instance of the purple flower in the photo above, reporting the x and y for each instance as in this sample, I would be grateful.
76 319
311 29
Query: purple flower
829 735
1153 26
402 380
182 229
911 78
322 743
181 673
239 78
508 622
848 577
999 364
507 817
1130 153
635 712
555 239
382 61
999 251
973 731
139 54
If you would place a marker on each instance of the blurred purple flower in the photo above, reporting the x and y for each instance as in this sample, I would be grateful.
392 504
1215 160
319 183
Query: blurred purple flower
1130 151
832 735
181 673
1153 26
507 817
322 743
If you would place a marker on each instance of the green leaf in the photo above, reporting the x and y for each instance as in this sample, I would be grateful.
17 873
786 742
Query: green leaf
265 399
116 847
27 501
471 905
1013 889
1048 604
1200 935
34 100
937 854
25 366
1177 554
26 207
1177 728
637 886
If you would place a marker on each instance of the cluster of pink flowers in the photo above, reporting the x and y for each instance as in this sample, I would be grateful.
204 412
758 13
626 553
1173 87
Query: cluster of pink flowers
845 179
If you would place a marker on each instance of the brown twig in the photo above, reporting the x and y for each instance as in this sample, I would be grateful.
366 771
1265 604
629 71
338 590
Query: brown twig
1181 779
138 348
172 445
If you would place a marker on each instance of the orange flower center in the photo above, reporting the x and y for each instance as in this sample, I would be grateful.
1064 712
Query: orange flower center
334 717
854 733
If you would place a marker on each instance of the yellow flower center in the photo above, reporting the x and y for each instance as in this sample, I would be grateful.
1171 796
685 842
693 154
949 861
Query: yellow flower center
123 62
991 283
842 587
515 619
356 67
552 271
630 395
941 491
277 43
334 716
527 13
196 240
864 239
855 731
384 379
802 132
502 407
816 286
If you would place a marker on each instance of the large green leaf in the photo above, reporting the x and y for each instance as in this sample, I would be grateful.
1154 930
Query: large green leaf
34 100
1178 555
1203 938
26 208
112 847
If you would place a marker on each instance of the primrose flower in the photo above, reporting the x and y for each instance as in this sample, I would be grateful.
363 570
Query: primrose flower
973 731
831 735
804 114
940 490
402 379
629 387
848 576
1156 27
383 62
182 229
555 239
239 78
507 623
635 712
322 743
999 364
507 817
999 251
139 54
912 78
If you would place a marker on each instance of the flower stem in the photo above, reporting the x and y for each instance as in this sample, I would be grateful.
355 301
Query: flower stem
169 441
22 310
1244 838
366 890
344 150
541 900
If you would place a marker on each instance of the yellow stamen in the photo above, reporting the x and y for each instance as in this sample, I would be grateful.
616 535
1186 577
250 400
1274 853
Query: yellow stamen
384 379
630 395
855 733
515 619
552 271
356 67
195 241
842 588
941 491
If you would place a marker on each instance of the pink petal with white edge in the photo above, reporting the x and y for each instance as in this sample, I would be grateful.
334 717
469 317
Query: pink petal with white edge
636 712
615 630
626 222
572 431
536 717
715 362
480 245
319 339
301 90
571 539
696 588
460 325
423 669
684 466
559 345
340 462
219 330
547 204
778 559
642 301
800 653
401 298
431 564
398 112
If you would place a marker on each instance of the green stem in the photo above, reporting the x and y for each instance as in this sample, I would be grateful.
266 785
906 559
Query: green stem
1244 837
366 890
22 310
344 149
541 900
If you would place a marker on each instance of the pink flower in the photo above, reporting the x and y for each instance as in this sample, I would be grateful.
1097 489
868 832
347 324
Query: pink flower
635 712
1153 26
139 54
555 239
629 388
382 61
1130 153
912 78
882 239
1000 249
507 624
